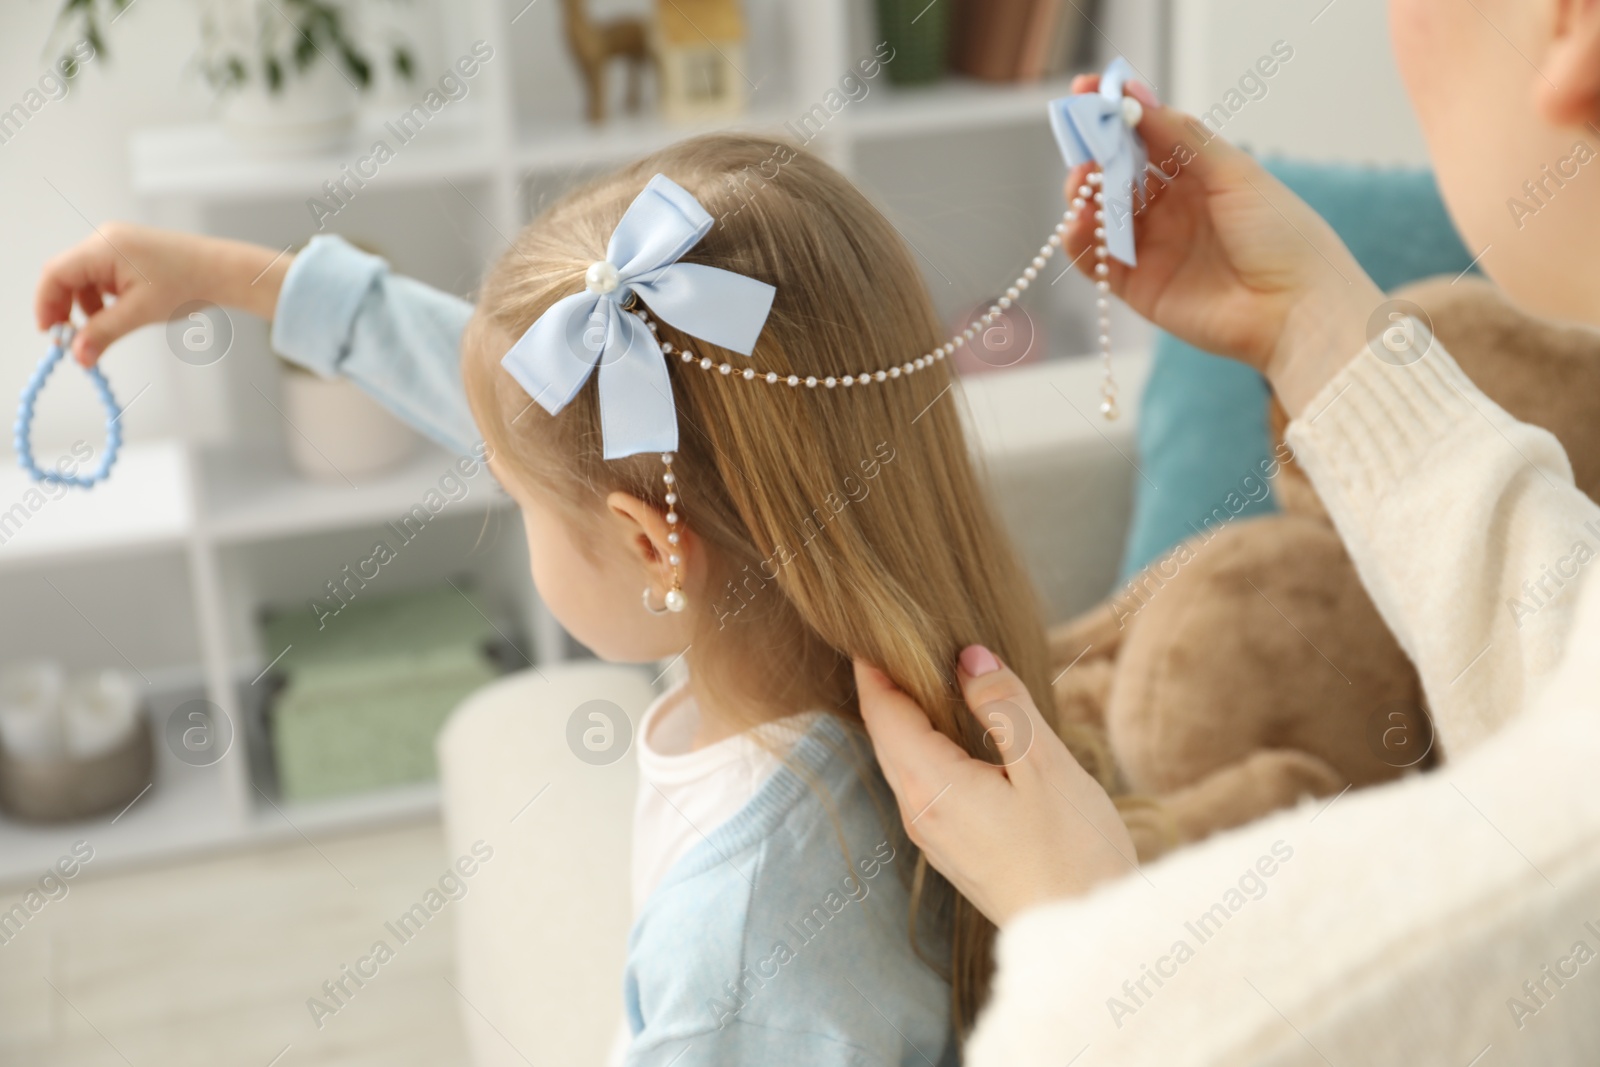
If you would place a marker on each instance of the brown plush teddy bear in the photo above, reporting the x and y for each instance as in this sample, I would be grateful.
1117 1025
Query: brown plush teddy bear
1247 667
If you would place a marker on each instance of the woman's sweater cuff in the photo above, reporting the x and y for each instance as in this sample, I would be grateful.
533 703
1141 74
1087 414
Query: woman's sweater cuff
1377 424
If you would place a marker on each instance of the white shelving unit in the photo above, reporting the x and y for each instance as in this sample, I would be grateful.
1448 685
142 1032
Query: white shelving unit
165 568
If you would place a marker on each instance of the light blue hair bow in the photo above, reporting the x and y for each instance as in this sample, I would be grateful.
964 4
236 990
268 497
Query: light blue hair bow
592 329
1099 127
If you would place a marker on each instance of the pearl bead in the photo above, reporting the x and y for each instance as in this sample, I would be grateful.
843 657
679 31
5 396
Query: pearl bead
1012 293
1105 340
666 347
1108 408
1102 303
1078 203
672 498
1023 282
725 368
1038 262
1101 269
1100 233
1005 302
1099 216
1085 191
848 379
1096 177
675 600
1132 111
879 376
672 538
748 374
1055 241
793 379
1102 252
672 517
705 363
830 381
674 560
894 372
1047 250
1103 286
811 382
601 277
688 357
669 478
959 342
771 377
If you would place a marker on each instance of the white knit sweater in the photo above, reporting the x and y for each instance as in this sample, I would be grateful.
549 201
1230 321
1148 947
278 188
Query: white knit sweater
1451 918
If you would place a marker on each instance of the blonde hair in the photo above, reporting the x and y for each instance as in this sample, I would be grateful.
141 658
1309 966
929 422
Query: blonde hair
903 567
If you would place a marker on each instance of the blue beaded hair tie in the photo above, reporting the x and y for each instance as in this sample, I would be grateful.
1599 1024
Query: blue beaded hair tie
60 341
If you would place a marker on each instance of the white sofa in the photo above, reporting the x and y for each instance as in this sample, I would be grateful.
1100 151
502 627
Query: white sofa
542 931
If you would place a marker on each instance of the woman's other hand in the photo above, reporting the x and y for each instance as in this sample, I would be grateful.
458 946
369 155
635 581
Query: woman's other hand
1008 837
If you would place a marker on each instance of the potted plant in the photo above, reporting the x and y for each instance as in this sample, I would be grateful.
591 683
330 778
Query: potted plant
286 73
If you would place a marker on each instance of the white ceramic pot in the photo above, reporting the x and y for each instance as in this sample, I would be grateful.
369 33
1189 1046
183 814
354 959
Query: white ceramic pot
313 113
337 432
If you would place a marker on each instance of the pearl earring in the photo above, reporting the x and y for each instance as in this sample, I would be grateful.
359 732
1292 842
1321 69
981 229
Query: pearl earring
674 601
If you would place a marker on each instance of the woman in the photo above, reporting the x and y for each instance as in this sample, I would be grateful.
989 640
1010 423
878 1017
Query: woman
1448 506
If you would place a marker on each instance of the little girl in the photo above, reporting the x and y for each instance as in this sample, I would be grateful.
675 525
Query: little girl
797 526
779 507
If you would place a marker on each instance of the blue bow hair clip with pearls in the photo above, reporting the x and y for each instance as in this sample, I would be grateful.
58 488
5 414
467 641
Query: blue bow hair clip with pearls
1100 127
597 328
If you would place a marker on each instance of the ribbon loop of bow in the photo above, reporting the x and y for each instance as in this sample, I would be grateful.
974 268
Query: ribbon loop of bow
1090 127
591 329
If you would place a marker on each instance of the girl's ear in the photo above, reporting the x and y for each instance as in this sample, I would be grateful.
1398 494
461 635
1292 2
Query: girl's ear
1567 89
643 531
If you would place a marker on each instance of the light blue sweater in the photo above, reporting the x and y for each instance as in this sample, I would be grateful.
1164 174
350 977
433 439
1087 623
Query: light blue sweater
781 939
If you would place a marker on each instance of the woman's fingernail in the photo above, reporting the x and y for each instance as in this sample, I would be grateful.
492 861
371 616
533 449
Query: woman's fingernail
978 661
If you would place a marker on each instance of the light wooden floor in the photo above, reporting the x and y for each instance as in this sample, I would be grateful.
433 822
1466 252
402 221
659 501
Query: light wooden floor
211 962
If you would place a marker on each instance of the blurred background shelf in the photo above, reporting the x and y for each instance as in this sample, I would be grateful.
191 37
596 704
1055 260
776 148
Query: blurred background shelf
949 106
146 506
253 495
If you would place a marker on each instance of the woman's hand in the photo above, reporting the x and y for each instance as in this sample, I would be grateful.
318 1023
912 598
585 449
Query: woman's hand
1233 262
127 276
1007 837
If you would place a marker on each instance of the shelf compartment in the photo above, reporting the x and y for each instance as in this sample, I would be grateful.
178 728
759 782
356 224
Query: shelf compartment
254 495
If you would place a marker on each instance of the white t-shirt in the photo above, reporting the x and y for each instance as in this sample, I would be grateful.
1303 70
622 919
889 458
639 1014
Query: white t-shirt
686 793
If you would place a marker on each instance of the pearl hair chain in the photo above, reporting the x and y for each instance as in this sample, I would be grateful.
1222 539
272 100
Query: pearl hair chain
1092 191
1087 193
674 601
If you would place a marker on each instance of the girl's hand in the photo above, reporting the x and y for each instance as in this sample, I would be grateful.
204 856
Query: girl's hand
127 276
1234 263
1007 837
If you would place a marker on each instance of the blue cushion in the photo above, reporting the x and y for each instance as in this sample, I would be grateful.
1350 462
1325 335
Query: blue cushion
1203 419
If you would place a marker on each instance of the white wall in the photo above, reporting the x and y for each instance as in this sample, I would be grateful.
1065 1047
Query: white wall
1339 98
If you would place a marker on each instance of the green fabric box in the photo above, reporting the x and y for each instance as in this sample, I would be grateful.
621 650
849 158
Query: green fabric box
367 691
